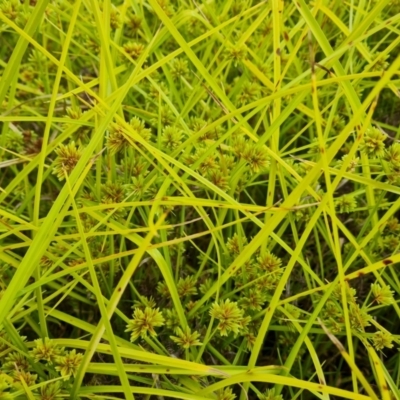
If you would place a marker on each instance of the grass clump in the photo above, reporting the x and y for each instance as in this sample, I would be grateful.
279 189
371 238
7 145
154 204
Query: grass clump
199 200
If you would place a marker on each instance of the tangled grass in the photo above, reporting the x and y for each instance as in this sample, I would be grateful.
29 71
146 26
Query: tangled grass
199 199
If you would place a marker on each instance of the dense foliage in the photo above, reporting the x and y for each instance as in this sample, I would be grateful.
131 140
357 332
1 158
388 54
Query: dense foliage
199 199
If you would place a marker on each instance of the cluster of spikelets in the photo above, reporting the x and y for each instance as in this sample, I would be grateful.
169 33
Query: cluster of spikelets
384 159
374 146
125 144
231 317
218 167
164 131
14 10
259 277
360 316
145 320
45 361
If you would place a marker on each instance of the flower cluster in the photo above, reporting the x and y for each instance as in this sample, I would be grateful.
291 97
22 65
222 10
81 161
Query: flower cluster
144 322
19 368
230 317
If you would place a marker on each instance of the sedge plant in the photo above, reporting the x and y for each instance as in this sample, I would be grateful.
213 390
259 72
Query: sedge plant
199 199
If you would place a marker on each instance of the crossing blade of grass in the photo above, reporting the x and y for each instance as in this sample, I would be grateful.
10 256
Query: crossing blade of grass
290 360
351 363
143 356
52 105
105 318
252 376
331 205
348 89
160 261
41 241
313 353
115 298
105 368
256 242
200 67
10 72
141 390
39 180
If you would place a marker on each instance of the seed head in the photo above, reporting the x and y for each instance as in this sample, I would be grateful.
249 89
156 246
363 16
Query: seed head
250 92
381 64
115 18
11 9
134 49
346 203
74 112
113 192
392 155
50 391
15 362
166 115
14 141
187 286
351 166
230 317
333 325
135 166
67 158
382 295
381 340
270 395
116 140
186 338
144 302
23 376
144 322
269 262
171 138
162 288
219 179
256 158
138 186
393 225
235 244
269 281
133 23
254 300
166 6
225 394
236 53
179 68
140 128
250 340
239 146
206 286
373 143
359 318
46 350
238 6
208 163
68 365
171 319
